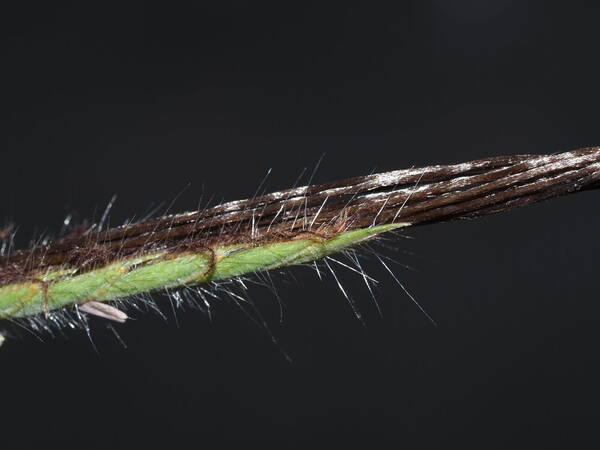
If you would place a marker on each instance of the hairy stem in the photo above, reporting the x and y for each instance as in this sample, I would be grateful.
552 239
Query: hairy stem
276 230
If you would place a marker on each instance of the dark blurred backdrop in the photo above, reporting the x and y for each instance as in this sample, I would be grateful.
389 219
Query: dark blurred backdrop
140 101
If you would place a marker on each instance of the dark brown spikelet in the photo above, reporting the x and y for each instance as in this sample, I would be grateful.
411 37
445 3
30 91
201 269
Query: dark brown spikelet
416 196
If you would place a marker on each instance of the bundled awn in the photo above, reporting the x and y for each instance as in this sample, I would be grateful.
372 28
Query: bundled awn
85 270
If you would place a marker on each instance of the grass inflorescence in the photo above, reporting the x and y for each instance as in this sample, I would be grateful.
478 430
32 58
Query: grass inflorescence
80 272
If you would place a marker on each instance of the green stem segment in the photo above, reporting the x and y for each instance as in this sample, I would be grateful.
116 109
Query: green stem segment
62 287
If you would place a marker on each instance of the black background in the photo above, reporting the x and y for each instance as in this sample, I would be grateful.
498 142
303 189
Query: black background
140 100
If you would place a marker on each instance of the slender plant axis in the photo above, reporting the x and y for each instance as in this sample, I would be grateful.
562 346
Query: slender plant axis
295 226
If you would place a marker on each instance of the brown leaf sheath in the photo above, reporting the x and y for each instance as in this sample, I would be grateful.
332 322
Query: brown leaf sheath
417 196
